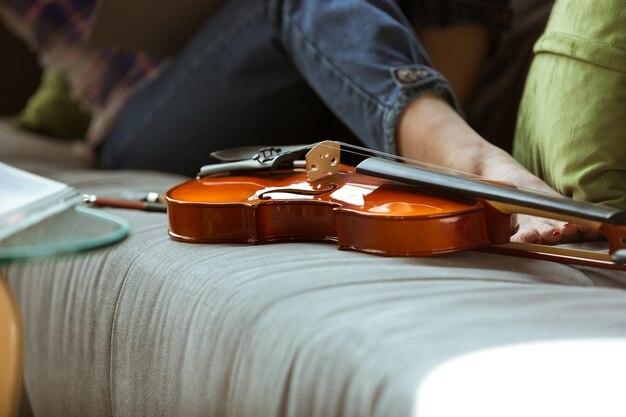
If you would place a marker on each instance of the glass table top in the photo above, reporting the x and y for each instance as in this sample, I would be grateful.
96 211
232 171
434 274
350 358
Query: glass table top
76 229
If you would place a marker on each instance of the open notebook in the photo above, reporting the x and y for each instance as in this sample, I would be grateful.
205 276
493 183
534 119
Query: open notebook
26 199
40 217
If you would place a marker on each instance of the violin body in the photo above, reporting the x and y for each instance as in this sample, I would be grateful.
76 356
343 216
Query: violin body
356 211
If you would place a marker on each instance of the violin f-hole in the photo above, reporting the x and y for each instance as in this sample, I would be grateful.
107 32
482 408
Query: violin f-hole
297 191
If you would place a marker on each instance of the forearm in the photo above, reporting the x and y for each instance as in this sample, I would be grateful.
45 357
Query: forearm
430 130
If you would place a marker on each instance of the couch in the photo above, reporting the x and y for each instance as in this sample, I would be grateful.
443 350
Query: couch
154 327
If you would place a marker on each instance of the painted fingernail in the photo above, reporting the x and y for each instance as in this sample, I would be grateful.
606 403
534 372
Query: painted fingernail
556 233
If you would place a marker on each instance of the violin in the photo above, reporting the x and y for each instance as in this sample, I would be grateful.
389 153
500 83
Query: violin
381 206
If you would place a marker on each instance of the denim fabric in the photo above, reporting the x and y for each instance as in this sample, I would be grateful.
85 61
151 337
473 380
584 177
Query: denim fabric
268 72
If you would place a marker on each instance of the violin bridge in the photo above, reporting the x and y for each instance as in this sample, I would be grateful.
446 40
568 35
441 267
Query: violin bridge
322 160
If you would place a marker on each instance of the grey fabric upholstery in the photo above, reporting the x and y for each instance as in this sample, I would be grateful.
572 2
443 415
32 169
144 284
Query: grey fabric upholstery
153 327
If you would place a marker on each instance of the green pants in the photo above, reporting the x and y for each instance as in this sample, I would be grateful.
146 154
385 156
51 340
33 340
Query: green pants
571 129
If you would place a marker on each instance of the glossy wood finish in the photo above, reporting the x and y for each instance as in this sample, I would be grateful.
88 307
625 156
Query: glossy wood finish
508 199
10 352
357 211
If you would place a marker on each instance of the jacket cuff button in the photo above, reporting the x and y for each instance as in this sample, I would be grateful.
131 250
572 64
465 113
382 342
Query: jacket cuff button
406 75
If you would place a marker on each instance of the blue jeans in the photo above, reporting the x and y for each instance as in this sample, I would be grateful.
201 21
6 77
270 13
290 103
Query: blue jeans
272 72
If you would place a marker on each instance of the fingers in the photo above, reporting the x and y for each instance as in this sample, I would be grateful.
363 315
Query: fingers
502 166
568 231
539 230
548 231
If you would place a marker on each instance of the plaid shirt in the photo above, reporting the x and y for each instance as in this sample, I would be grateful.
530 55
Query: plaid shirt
64 24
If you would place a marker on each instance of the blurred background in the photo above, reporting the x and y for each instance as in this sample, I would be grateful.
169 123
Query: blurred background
19 73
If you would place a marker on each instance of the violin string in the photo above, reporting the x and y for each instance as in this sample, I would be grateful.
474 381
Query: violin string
366 152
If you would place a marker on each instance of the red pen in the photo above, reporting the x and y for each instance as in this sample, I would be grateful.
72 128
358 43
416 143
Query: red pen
122 203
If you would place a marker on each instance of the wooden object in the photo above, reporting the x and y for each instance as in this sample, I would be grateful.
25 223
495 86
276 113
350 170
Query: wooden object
10 352
358 212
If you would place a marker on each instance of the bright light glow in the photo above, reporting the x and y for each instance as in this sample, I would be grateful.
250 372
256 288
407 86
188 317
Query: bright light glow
552 379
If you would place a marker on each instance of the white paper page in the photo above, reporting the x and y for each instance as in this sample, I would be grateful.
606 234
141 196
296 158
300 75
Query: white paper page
20 188
27 198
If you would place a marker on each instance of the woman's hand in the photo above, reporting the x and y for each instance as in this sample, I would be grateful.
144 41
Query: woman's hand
429 130
498 164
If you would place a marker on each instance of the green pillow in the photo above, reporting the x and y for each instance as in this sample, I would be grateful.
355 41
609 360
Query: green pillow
571 128
51 111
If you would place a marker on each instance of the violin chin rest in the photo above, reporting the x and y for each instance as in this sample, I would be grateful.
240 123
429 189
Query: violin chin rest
619 256
245 152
